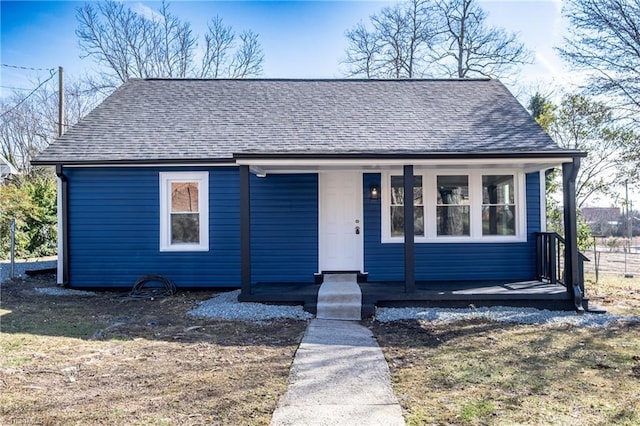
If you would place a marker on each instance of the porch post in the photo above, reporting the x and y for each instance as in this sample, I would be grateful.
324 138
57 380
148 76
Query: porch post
245 230
409 249
572 273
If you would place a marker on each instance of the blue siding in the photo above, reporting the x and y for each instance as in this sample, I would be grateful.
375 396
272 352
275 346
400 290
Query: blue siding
114 234
115 227
284 228
473 261
114 224
533 209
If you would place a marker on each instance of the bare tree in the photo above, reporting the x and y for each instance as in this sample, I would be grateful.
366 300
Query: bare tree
604 40
396 46
130 44
438 38
217 44
222 58
248 57
362 54
21 136
29 123
470 48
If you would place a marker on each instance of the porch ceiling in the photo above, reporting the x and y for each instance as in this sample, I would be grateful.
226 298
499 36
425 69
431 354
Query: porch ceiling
266 166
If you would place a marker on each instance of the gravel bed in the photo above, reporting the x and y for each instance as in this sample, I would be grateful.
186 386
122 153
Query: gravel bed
57 291
502 314
21 266
225 306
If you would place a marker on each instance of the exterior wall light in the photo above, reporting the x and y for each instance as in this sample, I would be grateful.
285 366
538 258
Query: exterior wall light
374 192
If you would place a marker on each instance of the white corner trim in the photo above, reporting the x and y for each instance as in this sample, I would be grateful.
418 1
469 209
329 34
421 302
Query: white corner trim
165 180
61 230
543 201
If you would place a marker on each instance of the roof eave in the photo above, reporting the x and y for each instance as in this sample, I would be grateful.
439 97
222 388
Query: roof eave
252 157
146 162
411 155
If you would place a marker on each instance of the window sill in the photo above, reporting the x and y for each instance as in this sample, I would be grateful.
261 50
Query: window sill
184 248
458 240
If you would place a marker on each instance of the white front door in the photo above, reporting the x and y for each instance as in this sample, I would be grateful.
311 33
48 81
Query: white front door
341 230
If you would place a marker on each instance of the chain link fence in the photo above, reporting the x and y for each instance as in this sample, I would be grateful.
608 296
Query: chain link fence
13 268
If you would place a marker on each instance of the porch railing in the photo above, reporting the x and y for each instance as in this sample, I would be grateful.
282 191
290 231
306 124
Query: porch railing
550 247
550 260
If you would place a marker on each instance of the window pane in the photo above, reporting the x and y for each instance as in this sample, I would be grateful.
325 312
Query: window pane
498 220
417 191
498 205
184 197
185 228
453 220
498 189
453 190
397 206
397 221
397 190
418 221
452 211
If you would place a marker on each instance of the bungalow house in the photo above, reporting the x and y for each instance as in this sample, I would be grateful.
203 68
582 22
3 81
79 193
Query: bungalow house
603 221
6 169
270 185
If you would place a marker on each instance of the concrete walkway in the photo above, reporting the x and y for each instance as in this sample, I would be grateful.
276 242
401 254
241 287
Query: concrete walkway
338 377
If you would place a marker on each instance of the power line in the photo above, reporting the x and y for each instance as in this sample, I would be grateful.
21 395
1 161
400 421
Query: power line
51 71
14 88
18 67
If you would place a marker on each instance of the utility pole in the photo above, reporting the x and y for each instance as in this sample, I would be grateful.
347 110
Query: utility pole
627 251
60 101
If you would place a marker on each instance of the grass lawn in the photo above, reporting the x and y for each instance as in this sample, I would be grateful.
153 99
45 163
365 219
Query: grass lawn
616 294
487 373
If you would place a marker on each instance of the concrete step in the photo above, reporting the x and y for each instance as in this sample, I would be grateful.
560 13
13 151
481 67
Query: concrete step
339 298
341 311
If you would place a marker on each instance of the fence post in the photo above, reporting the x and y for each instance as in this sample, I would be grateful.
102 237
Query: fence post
12 270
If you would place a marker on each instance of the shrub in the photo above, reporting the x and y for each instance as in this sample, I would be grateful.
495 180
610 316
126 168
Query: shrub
32 202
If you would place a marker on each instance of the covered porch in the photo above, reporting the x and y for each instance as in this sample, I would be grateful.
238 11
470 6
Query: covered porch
556 283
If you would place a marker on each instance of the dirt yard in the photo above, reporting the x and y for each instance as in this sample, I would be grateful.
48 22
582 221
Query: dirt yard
109 359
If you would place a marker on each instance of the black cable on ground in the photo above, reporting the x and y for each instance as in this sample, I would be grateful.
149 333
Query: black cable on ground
153 285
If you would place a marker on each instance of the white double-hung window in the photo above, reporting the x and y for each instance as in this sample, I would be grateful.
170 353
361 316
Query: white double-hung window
457 206
498 205
184 211
453 210
396 208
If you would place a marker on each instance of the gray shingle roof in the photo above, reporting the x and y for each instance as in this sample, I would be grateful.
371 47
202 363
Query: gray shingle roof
164 119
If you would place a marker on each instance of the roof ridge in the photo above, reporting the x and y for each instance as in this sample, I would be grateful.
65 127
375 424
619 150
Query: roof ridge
318 79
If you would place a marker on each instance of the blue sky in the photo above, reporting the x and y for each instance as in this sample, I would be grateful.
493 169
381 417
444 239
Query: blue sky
300 39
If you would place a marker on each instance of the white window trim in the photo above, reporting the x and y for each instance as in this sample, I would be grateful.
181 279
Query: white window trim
543 201
475 197
166 179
